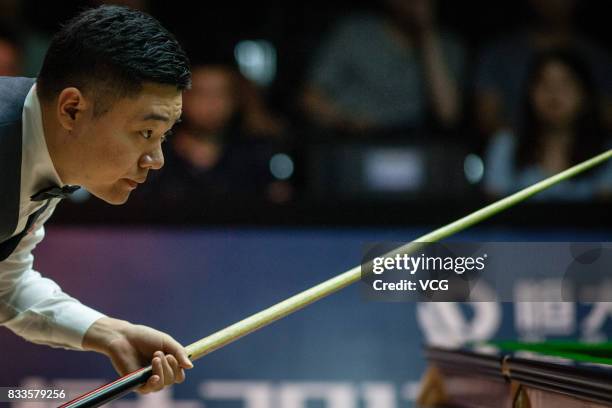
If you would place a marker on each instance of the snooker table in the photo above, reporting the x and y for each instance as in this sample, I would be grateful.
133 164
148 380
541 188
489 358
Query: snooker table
558 374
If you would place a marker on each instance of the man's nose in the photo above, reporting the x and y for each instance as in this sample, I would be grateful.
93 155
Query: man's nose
152 160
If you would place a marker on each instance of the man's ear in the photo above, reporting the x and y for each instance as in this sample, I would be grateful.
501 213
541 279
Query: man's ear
71 105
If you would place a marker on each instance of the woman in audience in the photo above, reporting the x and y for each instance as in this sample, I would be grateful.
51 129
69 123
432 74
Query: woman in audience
561 127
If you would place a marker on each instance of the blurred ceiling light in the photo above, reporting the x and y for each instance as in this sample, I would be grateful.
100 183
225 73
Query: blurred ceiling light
256 60
281 166
473 167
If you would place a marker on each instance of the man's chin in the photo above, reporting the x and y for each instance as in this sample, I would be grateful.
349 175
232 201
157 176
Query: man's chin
112 198
118 201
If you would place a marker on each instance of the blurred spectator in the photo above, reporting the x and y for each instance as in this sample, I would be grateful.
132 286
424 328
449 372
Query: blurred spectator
10 55
502 67
389 71
561 127
222 150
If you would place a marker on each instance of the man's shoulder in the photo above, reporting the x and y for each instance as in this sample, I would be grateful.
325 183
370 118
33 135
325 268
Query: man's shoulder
13 91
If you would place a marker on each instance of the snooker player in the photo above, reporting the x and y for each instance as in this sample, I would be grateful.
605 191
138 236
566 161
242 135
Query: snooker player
109 90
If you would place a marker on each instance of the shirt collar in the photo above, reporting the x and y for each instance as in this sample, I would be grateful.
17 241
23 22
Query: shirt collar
37 167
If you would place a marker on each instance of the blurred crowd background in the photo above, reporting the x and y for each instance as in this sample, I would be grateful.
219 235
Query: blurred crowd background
385 112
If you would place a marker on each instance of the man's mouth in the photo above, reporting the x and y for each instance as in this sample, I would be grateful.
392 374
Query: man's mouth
132 183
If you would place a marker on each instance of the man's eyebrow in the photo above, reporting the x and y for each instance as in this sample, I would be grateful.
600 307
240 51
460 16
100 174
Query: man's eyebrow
156 116
161 118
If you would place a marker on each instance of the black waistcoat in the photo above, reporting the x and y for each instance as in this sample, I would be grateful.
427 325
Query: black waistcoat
13 92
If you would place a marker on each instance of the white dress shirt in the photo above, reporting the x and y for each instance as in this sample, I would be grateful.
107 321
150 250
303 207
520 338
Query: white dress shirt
32 306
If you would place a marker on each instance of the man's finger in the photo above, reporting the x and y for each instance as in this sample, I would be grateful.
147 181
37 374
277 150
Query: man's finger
178 351
179 373
168 373
158 370
181 376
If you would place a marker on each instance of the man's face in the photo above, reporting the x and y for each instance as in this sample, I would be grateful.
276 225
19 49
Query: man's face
116 150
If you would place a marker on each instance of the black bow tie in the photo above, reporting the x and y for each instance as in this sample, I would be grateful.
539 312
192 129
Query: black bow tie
54 192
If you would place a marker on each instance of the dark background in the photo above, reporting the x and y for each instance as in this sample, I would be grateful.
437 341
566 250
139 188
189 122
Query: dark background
295 29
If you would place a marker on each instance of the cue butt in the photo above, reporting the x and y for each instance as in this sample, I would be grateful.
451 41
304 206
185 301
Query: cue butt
111 391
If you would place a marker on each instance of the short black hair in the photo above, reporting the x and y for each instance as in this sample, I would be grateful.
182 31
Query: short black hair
109 52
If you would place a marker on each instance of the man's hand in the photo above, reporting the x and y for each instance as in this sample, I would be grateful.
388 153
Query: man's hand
131 347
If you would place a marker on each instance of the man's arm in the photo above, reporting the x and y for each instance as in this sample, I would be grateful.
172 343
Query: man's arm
36 309
327 79
443 89
441 83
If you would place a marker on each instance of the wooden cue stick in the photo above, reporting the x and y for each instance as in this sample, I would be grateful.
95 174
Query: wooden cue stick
250 324
246 326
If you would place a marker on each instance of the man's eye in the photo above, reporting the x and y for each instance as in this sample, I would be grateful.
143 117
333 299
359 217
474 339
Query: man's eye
147 134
